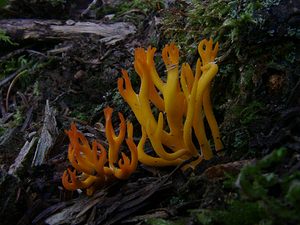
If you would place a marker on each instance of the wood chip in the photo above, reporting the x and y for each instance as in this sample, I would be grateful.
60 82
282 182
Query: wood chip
47 138
22 157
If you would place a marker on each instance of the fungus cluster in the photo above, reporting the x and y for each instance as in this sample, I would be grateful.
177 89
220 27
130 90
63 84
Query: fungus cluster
94 165
183 101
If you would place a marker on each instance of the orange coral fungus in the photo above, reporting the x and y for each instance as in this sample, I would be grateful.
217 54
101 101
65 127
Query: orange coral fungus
183 100
92 166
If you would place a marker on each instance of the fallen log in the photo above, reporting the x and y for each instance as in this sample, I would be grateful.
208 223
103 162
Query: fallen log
47 30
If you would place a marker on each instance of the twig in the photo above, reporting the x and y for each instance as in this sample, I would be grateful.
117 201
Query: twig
28 119
92 5
37 53
293 96
24 99
10 77
133 11
11 85
60 96
2 108
13 54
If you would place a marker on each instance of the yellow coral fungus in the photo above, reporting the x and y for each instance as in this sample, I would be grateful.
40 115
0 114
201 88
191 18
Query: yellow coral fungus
92 167
182 101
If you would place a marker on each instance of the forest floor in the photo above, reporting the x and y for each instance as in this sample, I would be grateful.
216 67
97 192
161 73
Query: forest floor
50 79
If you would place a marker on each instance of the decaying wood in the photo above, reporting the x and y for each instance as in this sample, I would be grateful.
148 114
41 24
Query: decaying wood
22 157
45 30
47 138
105 207
219 171
6 137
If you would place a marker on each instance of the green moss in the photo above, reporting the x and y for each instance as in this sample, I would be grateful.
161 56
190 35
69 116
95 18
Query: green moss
144 6
3 3
28 67
82 112
18 118
5 38
202 216
55 3
241 139
80 115
293 193
2 129
223 20
239 212
126 7
36 88
159 221
262 193
251 112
